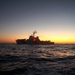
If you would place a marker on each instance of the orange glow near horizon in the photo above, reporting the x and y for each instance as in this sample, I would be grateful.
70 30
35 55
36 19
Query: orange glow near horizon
60 40
57 40
7 40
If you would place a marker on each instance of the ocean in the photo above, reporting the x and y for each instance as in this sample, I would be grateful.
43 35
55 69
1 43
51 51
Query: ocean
37 59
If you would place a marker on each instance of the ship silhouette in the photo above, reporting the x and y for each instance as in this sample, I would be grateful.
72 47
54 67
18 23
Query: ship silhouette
33 40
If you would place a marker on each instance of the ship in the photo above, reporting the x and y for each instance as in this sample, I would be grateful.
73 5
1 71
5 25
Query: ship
33 40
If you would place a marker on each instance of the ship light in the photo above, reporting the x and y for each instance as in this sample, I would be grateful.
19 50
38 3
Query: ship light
34 39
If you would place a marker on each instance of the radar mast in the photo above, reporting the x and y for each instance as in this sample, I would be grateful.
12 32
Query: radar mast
34 33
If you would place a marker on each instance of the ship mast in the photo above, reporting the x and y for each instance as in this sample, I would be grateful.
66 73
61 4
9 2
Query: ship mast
34 33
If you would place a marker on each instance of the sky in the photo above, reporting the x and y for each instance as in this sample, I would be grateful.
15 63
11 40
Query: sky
52 19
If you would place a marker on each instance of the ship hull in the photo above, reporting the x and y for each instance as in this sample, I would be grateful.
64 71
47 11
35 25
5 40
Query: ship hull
23 41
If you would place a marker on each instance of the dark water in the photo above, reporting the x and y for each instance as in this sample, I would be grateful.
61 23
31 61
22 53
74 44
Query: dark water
37 59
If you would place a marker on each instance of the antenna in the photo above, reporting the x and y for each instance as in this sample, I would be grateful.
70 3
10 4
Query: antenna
34 33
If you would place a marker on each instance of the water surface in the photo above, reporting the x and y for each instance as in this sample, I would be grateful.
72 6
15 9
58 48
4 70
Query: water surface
37 59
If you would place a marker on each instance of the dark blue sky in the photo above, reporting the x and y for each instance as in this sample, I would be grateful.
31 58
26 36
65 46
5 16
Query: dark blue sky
51 18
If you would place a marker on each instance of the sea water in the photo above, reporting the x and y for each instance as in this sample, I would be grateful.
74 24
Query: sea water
37 59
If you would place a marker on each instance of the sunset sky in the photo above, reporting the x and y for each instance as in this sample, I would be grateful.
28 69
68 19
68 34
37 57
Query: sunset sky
52 19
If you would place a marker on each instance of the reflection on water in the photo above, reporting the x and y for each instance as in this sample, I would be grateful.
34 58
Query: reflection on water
37 59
